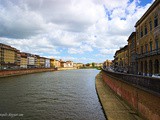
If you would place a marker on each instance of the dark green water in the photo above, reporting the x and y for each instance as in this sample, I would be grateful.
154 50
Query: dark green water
60 95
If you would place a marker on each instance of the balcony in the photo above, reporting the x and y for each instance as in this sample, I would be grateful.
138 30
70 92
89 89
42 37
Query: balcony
150 53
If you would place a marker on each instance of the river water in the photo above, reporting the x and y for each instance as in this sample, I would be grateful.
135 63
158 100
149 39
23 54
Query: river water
59 95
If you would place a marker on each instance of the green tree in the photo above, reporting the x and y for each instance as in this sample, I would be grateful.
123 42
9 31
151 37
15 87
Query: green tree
93 64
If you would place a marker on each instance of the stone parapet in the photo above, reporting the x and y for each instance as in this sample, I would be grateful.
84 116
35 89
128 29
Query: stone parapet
146 102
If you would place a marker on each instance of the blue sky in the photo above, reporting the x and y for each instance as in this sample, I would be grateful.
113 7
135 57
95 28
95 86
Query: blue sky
79 30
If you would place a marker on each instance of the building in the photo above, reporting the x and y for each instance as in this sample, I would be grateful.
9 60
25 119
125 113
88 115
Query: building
23 62
148 41
18 59
57 63
121 59
115 61
37 61
31 61
47 63
97 64
69 63
8 57
42 62
107 64
132 67
62 63
52 62
79 65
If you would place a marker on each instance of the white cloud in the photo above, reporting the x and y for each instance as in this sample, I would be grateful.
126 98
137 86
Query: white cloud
76 26
107 51
80 49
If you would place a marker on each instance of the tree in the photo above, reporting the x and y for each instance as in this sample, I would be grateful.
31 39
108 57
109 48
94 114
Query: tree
93 64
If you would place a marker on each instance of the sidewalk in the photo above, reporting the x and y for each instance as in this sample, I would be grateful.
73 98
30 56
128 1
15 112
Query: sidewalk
114 107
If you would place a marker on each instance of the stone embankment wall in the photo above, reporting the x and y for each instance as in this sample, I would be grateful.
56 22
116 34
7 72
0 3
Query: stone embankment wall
5 73
145 102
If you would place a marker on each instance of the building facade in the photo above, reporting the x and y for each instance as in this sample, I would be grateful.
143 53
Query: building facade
30 60
121 59
57 63
69 63
8 57
79 65
52 62
148 41
23 62
107 64
37 61
42 62
132 67
47 63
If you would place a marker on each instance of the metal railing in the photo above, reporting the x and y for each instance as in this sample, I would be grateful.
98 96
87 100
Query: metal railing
148 83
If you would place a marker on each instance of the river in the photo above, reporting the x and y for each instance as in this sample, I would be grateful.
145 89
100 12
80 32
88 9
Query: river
59 95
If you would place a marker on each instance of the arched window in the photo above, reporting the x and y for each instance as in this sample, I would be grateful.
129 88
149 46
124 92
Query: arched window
150 46
145 68
150 68
146 47
141 67
156 42
141 33
156 20
156 66
145 29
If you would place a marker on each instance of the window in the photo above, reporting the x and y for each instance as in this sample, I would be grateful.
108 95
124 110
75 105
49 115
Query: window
146 48
150 25
150 46
156 41
141 32
137 35
145 29
141 49
156 20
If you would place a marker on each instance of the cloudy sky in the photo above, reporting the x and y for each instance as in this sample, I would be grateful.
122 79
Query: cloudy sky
79 30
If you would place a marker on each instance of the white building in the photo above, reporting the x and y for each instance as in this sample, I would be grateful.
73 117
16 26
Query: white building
69 63
31 61
47 63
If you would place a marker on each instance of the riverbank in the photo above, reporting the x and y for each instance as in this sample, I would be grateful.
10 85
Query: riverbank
114 107
7 73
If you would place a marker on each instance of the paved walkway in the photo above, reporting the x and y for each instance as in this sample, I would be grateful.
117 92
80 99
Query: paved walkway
114 107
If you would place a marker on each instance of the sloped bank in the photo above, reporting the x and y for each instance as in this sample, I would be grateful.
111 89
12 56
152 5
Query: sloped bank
6 73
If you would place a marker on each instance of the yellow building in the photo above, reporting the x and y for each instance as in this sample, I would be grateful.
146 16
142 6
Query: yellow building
132 53
18 60
79 65
8 57
62 63
107 63
37 61
57 63
23 62
53 62
148 41
121 59
42 62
